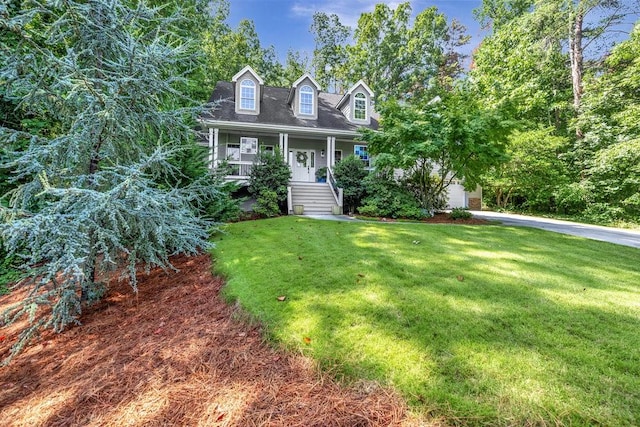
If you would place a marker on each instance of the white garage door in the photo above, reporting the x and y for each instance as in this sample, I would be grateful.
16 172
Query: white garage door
457 196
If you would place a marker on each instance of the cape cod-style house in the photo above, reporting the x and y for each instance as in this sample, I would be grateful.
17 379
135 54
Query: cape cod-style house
312 129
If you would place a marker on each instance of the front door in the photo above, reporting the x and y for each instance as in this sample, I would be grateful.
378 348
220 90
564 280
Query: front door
303 165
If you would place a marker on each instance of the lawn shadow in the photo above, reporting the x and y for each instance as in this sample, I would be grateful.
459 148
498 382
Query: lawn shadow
496 328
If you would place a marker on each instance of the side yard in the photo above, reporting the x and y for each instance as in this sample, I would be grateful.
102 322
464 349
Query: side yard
474 325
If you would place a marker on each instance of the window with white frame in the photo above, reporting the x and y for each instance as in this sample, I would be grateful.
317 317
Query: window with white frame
306 100
360 106
267 149
361 152
233 152
248 95
248 145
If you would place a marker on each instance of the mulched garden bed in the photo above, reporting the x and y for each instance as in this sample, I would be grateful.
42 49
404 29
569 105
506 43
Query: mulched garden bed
445 218
442 218
176 354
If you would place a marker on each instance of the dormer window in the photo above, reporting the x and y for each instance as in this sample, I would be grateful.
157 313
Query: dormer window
306 100
248 89
355 104
360 106
303 97
248 94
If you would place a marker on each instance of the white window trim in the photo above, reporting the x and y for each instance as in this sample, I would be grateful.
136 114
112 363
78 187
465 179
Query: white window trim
263 148
232 145
253 98
366 107
309 92
248 145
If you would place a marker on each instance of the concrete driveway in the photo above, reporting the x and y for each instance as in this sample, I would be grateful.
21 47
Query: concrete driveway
619 236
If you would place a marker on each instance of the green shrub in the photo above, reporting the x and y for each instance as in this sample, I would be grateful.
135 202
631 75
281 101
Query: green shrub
427 188
267 204
269 174
460 213
632 207
571 198
350 173
223 206
387 198
603 213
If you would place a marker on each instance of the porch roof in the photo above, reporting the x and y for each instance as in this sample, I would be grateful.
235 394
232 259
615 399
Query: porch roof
276 114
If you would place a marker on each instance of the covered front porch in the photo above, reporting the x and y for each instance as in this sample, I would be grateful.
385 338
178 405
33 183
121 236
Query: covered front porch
311 157
305 154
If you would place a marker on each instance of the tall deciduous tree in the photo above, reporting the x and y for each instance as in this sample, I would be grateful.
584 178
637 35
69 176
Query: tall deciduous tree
496 13
576 25
329 54
611 122
401 59
95 195
524 74
532 67
226 50
533 172
295 66
580 24
452 137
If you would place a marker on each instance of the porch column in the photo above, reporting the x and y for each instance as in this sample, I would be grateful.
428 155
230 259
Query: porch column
281 143
215 146
329 161
210 148
333 151
285 152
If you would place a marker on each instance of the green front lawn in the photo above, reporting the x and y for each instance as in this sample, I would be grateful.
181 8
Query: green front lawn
479 325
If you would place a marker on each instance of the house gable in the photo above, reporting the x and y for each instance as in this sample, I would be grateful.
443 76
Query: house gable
356 104
303 97
248 91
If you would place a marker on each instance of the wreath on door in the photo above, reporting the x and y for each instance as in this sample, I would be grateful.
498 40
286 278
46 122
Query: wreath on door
301 157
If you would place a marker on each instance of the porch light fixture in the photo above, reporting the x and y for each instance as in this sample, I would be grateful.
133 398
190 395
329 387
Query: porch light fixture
321 153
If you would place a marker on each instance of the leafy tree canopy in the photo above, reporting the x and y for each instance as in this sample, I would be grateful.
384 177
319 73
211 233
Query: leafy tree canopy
227 51
451 137
401 59
610 152
533 171
329 55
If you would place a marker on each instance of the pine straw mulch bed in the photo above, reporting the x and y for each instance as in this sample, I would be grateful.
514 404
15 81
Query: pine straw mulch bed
445 218
177 354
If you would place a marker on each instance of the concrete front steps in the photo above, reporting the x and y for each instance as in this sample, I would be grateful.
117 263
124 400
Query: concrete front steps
316 197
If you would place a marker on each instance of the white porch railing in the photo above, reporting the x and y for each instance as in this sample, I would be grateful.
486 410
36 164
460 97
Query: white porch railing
239 169
335 190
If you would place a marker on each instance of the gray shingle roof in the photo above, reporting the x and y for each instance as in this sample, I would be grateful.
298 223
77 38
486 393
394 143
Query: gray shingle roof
274 110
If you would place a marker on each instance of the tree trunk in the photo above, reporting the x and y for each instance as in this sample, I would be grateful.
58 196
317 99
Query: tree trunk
89 272
499 198
576 55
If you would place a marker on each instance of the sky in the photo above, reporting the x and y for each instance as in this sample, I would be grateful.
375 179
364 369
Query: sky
285 23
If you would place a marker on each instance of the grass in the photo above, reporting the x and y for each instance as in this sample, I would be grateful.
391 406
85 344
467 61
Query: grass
479 325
